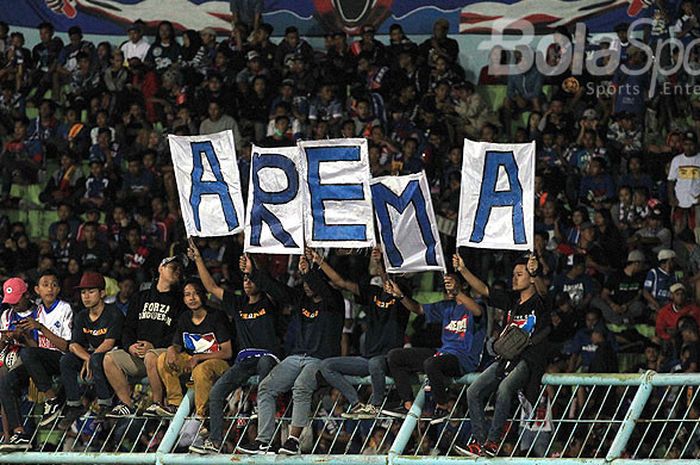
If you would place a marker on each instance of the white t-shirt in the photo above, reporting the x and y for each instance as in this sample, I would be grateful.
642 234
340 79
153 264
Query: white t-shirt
58 319
135 50
686 172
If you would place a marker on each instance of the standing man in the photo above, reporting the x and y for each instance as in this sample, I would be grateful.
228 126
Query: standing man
684 185
147 333
254 316
136 46
528 311
96 331
318 317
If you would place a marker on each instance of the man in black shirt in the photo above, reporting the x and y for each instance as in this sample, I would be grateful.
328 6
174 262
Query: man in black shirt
528 311
147 333
254 315
318 324
621 301
387 317
96 331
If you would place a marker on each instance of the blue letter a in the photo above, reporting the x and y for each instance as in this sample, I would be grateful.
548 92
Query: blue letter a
259 212
382 197
489 197
217 187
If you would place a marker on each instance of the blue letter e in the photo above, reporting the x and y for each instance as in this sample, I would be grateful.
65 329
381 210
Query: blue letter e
382 197
216 187
489 197
319 193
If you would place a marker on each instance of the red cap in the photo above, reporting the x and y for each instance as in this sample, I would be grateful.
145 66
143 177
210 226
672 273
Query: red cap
13 289
91 280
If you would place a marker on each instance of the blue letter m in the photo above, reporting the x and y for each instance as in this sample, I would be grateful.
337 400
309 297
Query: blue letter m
216 187
489 197
382 197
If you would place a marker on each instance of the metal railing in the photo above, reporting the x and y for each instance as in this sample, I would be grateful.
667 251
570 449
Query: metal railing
578 418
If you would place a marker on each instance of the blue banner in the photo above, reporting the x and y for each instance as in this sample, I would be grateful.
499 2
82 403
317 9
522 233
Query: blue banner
315 17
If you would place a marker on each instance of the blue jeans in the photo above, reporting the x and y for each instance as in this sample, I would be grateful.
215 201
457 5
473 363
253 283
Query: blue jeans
71 365
477 394
296 372
334 369
231 380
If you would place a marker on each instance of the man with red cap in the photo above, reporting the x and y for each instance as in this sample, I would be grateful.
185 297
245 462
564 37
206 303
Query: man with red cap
96 331
16 295
12 338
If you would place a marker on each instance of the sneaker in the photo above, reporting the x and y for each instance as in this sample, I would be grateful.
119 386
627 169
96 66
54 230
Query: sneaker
398 412
17 442
204 446
254 413
290 447
439 416
490 448
121 411
473 449
362 412
352 413
157 411
52 409
70 414
253 448
162 410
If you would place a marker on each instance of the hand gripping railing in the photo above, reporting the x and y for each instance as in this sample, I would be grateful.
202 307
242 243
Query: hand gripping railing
592 419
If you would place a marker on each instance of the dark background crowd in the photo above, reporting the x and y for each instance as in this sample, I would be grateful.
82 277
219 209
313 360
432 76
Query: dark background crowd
84 128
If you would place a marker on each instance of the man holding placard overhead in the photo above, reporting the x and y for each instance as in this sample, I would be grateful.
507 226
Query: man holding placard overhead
463 334
387 316
318 316
514 369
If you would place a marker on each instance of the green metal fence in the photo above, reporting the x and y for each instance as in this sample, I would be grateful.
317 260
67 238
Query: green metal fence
578 418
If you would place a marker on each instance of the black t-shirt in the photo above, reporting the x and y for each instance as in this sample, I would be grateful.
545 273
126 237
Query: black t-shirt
205 337
152 317
90 334
317 327
94 256
386 320
623 288
532 316
256 326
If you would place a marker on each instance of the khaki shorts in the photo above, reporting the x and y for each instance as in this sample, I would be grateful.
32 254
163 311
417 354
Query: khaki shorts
131 365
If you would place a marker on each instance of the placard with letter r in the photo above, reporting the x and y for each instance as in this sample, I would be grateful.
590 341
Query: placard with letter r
208 184
275 202
497 198
407 225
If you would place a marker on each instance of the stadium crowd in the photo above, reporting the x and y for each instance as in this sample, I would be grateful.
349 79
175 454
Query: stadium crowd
113 291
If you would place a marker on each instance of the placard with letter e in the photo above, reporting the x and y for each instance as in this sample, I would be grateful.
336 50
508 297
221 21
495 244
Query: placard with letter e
338 193
208 183
497 198
407 225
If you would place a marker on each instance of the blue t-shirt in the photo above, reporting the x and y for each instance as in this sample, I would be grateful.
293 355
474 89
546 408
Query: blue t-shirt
658 283
463 334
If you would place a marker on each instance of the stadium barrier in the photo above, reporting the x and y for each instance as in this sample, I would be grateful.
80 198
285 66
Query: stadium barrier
578 419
